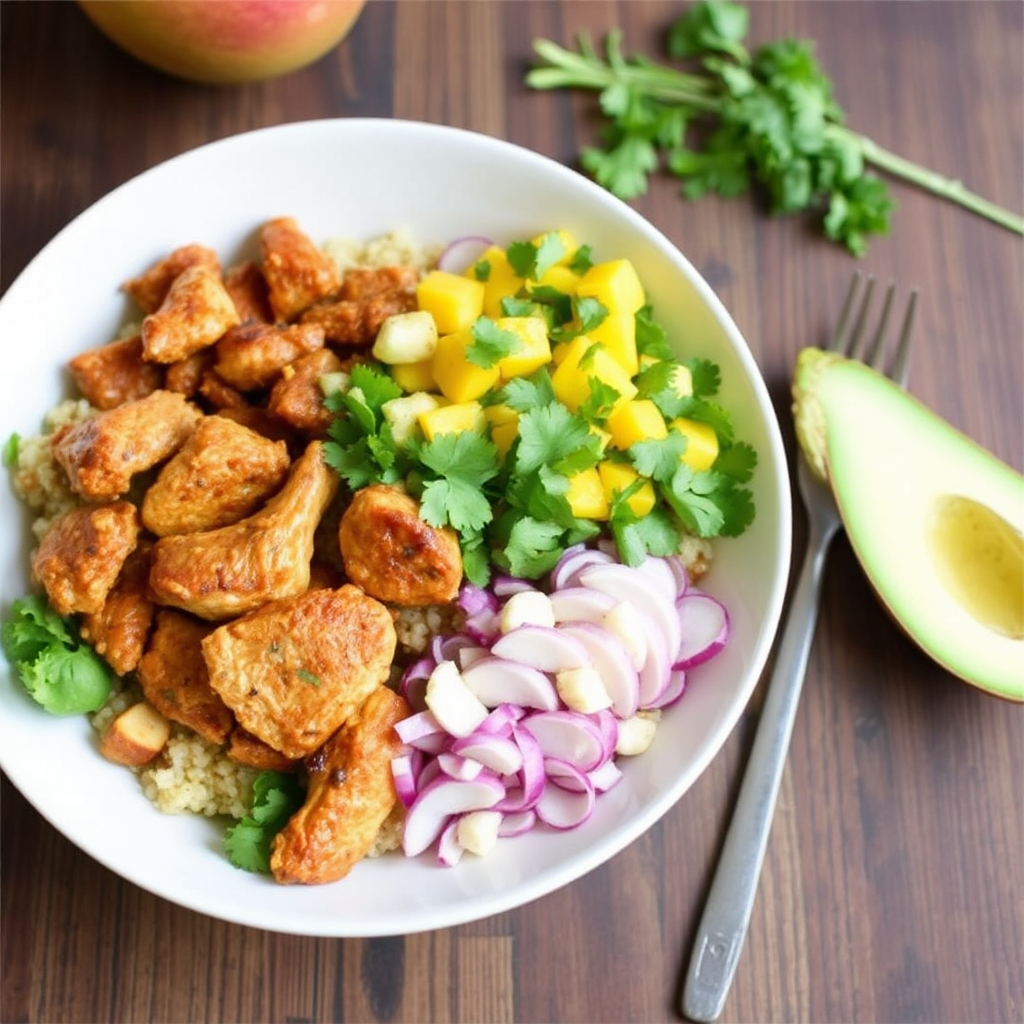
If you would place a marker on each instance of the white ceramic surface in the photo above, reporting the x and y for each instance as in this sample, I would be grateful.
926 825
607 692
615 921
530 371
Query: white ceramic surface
360 178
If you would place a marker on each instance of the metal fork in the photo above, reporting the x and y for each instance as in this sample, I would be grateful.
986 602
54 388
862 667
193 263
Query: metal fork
726 915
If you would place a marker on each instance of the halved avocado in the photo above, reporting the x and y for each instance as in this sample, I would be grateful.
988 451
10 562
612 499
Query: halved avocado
936 521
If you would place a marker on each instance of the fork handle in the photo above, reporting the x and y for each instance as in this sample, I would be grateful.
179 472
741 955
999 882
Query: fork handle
723 925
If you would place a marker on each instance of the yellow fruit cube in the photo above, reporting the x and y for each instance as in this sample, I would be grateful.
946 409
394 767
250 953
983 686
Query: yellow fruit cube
586 495
616 477
402 414
504 424
535 350
617 332
458 378
412 377
562 279
701 443
569 244
614 284
452 419
585 360
453 300
499 280
636 420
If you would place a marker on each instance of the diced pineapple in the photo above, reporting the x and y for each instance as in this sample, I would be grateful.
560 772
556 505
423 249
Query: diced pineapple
701 443
617 332
412 377
402 414
406 338
454 300
636 420
535 350
614 284
334 381
583 360
586 495
494 271
458 378
616 477
504 424
452 419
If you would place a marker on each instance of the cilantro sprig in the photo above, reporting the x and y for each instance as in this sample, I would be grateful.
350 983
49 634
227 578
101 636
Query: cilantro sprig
276 797
767 116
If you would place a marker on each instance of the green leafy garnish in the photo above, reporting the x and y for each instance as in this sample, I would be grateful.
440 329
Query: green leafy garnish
10 452
766 116
57 668
276 797
491 343
532 260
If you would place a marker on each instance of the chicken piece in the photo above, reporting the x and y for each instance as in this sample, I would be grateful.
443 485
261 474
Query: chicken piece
395 556
173 676
112 374
295 669
297 397
222 473
259 420
217 574
119 630
150 288
101 455
186 375
351 792
81 556
297 272
244 748
354 323
253 355
219 393
361 283
247 287
195 313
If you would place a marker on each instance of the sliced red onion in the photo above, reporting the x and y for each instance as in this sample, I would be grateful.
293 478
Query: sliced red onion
613 664
506 586
404 774
581 604
439 800
461 253
517 823
605 776
654 675
608 724
573 562
570 737
673 690
569 801
502 718
680 572
494 681
413 683
458 766
470 654
523 794
544 648
422 731
449 849
660 573
501 754
704 628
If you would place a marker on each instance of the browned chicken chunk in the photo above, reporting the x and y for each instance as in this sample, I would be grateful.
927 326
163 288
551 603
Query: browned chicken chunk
219 393
253 355
101 455
174 678
354 323
248 290
297 272
150 289
195 313
217 574
115 373
362 283
81 556
350 794
246 749
293 670
297 398
222 473
119 630
186 375
391 553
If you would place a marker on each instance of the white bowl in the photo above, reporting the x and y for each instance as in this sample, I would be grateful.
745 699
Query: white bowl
360 178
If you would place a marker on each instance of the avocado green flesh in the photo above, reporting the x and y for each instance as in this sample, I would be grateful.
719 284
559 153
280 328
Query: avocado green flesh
936 521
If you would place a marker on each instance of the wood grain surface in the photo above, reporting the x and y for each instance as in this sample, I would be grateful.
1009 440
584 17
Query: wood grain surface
893 888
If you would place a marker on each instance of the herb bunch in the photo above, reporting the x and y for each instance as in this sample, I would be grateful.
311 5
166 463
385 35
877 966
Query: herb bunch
767 116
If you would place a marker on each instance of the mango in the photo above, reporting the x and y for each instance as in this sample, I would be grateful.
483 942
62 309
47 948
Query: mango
617 332
615 285
636 420
500 279
452 419
458 378
616 477
412 377
586 495
583 360
504 423
701 443
535 350
454 300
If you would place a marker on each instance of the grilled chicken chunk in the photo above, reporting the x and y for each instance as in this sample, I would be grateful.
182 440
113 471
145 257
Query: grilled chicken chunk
173 675
350 793
217 574
150 288
297 272
195 313
297 398
112 374
295 669
222 473
253 355
248 290
101 455
395 556
81 556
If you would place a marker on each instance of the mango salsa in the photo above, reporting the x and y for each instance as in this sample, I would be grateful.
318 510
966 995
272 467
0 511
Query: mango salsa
535 351
701 443
504 424
454 300
452 419
586 495
493 270
458 378
412 377
584 360
636 420
616 477
615 285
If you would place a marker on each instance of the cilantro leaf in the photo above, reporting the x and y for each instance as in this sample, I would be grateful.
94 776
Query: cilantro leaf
533 548
491 343
276 797
532 260
525 393
549 434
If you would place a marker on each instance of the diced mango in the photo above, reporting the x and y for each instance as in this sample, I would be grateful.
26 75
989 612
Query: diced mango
636 420
402 414
617 332
586 495
614 284
616 477
535 351
458 378
585 360
412 377
603 437
561 278
701 443
504 424
569 244
454 300
452 419
494 271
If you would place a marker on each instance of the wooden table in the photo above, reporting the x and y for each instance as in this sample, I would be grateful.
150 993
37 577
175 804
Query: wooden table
893 888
